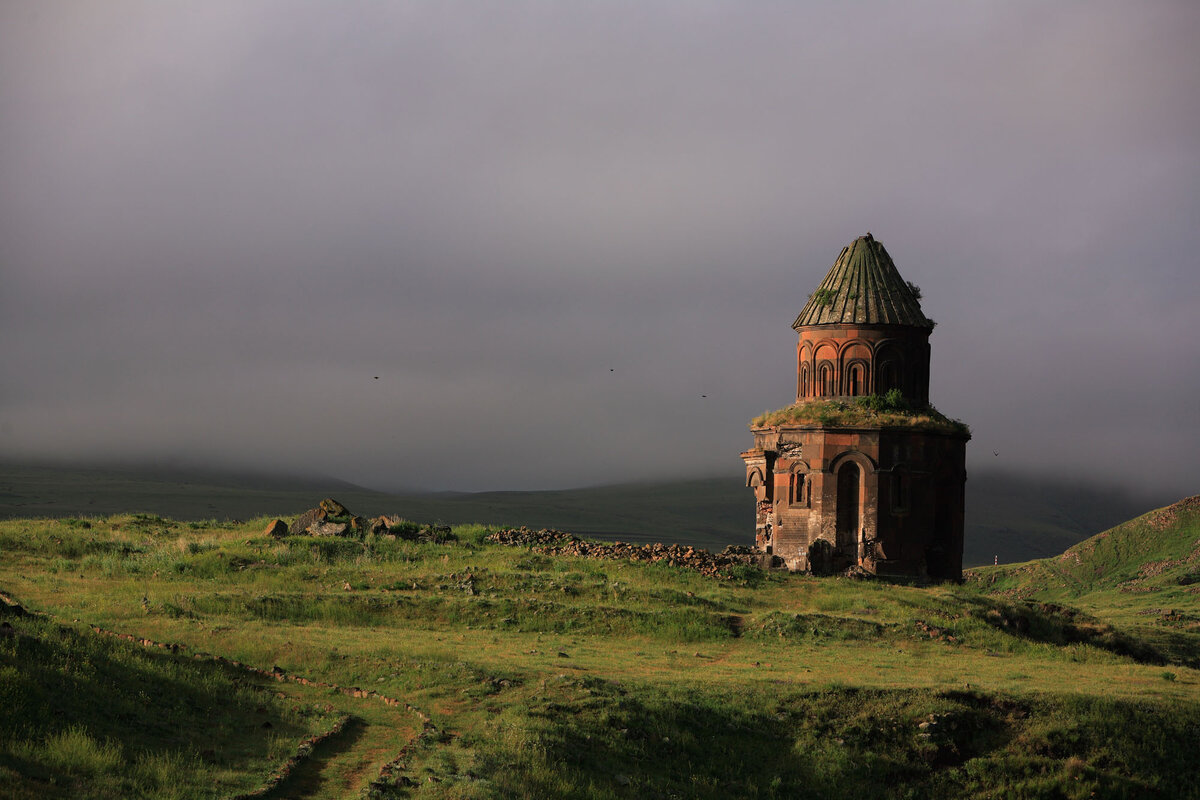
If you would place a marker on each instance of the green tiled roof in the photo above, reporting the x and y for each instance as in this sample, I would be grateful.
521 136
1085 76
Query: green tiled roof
863 287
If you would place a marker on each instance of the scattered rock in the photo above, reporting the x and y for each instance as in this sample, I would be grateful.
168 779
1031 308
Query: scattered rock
277 529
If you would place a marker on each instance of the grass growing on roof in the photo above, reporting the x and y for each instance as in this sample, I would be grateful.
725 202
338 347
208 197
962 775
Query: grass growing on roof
889 411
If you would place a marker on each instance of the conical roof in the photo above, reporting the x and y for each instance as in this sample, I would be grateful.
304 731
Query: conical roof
863 287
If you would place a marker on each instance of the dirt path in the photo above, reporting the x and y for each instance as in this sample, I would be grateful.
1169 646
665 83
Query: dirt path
375 736
316 775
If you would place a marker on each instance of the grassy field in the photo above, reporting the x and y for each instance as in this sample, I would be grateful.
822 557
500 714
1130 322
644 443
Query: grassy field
554 676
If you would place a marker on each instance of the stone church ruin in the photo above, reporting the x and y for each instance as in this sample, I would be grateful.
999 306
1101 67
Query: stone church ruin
861 472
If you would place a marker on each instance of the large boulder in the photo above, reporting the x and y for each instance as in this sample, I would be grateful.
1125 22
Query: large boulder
329 529
277 529
333 508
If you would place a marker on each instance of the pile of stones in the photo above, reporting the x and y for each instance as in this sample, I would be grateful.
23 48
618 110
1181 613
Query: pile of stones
553 542
331 518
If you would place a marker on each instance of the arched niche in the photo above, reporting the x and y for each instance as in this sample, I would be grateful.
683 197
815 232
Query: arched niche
849 509
754 478
825 376
890 368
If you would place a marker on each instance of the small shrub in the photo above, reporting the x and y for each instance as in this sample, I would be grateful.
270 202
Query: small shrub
747 574
824 297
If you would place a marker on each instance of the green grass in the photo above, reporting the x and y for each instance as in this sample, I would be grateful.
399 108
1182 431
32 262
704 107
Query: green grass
1140 576
555 676
83 715
589 737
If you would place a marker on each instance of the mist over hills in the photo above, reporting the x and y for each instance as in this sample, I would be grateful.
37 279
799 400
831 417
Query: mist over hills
1009 517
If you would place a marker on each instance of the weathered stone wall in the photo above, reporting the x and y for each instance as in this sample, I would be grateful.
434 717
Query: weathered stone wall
905 501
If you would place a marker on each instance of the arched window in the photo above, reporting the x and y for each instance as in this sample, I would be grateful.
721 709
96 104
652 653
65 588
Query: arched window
856 383
888 378
825 379
804 380
799 488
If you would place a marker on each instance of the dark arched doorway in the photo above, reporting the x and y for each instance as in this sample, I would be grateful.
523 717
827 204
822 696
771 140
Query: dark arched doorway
849 485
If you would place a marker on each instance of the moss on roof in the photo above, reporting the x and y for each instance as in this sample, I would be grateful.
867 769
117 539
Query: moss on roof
870 411
864 287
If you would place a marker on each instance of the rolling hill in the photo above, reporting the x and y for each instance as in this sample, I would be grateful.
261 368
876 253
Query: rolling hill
1009 518
1142 575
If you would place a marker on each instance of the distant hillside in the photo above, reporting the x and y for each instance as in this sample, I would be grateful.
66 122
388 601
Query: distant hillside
1142 575
184 494
1020 517
1153 559
1014 518
705 512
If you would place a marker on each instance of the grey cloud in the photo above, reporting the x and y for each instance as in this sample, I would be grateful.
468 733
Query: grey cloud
219 221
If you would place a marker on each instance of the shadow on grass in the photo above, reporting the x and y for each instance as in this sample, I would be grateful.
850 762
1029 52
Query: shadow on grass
1060 625
588 738
169 720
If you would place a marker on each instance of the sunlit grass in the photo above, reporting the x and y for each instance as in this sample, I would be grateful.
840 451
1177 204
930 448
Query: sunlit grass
561 676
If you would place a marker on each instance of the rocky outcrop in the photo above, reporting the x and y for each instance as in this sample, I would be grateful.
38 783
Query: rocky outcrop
331 518
277 529
552 542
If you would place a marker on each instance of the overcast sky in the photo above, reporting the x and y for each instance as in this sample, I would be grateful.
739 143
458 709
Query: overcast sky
551 228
